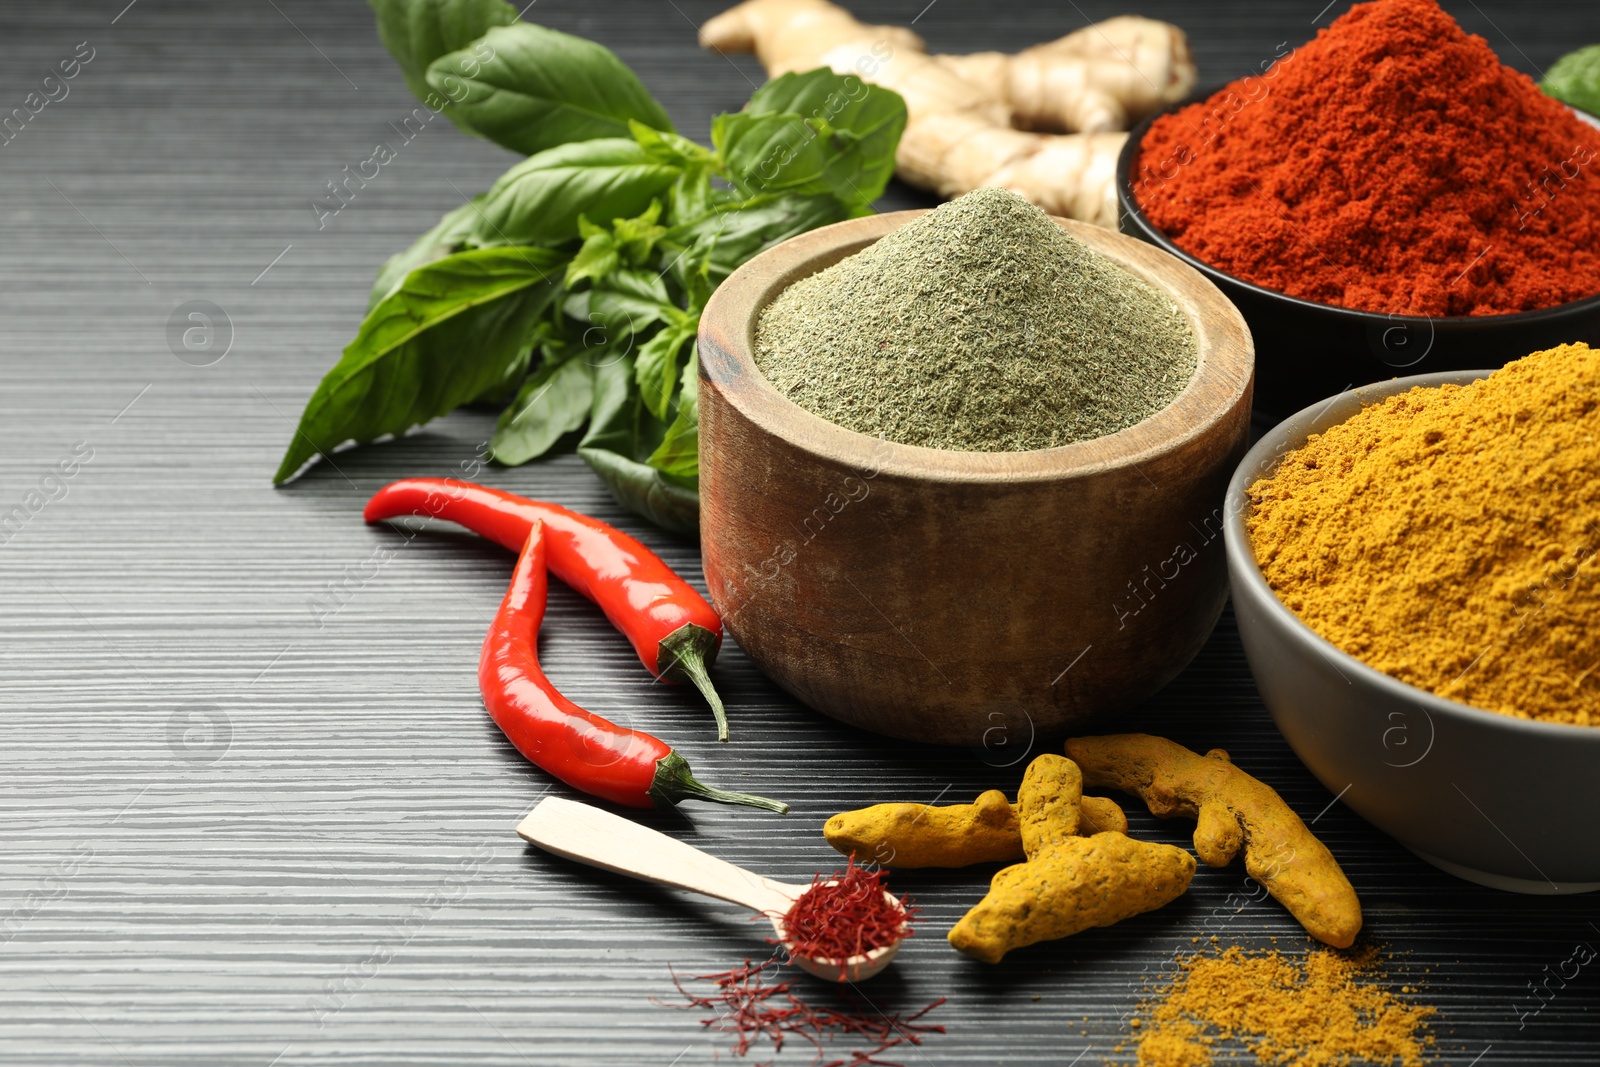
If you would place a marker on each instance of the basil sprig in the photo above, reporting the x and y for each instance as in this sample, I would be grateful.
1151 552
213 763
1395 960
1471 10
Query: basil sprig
1575 79
573 287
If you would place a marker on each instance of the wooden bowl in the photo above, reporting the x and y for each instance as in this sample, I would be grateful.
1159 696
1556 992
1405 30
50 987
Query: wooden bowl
965 598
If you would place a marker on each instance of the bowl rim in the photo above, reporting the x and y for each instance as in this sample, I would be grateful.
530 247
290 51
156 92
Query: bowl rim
1128 207
1222 384
1261 462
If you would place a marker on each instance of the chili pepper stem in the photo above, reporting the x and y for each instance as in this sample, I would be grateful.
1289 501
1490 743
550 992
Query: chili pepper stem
674 782
685 653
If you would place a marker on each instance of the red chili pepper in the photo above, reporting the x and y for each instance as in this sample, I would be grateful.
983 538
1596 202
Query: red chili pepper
667 621
577 746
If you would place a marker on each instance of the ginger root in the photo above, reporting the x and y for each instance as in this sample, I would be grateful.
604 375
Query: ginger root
956 835
1232 811
1068 883
973 121
1102 78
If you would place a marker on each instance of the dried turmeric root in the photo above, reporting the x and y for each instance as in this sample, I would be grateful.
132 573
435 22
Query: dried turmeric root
957 835
1083 883
1101 815
971 119
1069 883
1233 811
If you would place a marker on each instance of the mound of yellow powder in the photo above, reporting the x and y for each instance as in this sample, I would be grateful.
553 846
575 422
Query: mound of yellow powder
1320 1010
1450 537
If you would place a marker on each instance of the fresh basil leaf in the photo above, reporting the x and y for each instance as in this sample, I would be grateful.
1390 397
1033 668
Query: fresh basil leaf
538 201
637 237
543 343
767 153
627 302
598 257
663 146
636 284
679 451
657 366
1575 79
691 195
417 32
620 436
529 88
816 132
449 335
738 232
553 401
628 243
784 153
452 234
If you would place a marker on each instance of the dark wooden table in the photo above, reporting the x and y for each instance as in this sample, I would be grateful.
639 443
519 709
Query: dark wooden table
253 812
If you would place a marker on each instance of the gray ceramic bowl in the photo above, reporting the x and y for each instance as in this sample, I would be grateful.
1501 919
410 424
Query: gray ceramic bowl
1497 800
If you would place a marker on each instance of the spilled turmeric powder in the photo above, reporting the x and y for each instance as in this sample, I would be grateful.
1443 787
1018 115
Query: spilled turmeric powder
1323 1009
1450 537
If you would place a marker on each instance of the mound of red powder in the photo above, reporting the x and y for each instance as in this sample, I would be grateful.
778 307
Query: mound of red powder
1392 164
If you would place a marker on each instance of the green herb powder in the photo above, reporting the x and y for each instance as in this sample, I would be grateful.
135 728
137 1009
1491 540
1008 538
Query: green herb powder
981 327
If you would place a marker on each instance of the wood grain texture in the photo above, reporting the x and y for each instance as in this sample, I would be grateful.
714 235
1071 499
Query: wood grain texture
248 819
930 595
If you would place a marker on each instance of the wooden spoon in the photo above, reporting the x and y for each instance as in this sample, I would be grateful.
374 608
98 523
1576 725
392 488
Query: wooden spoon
589 835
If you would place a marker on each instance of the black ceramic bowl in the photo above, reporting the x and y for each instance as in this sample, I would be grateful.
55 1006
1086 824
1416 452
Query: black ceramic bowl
1307 351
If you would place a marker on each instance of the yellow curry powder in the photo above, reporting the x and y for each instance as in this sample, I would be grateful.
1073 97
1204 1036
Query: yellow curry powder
1450 537
1319 1010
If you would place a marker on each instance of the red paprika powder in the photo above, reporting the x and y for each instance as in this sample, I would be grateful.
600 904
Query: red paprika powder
1392 164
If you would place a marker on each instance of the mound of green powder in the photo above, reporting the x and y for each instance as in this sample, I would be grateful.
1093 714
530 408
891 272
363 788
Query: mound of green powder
981 327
